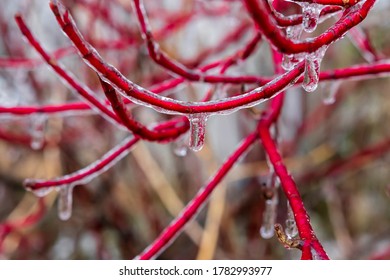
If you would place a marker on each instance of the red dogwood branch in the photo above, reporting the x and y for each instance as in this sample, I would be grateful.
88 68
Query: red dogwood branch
268 27
11 226
290 189
283 21
343 3
194 206
166 105
64 74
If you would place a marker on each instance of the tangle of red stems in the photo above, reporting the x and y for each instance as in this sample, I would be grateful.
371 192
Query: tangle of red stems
266 23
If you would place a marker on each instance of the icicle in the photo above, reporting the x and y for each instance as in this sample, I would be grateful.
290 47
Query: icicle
271 186
329 91
291 227
312 69
269 217
197 131
180 147
65 202
37 131
290 60
311 14
310 80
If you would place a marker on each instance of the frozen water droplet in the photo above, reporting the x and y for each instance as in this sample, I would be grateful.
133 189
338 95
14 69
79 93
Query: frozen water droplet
197 131
329 91
311 14
310 80
180 147
312 69
65 199
37 131
287 62
269 217
291 227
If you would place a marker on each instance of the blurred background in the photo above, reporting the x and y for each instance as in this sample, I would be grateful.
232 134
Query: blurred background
336 140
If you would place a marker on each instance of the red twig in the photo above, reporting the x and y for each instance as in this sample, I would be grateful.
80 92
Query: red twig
283 21
88 173
64 74
194 206
10 226
351 17
136 127
290 189
139 94
13 62
343 3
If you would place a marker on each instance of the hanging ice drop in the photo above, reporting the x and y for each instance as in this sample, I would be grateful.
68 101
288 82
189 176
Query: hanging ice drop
269 217
310 79
37 131
197 131
329 92
65 199
312 69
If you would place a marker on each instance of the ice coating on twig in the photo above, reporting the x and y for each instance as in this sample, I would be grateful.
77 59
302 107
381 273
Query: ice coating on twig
293 32
87 174
311 14
190 108
142 96
42 192
315 254
360 39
